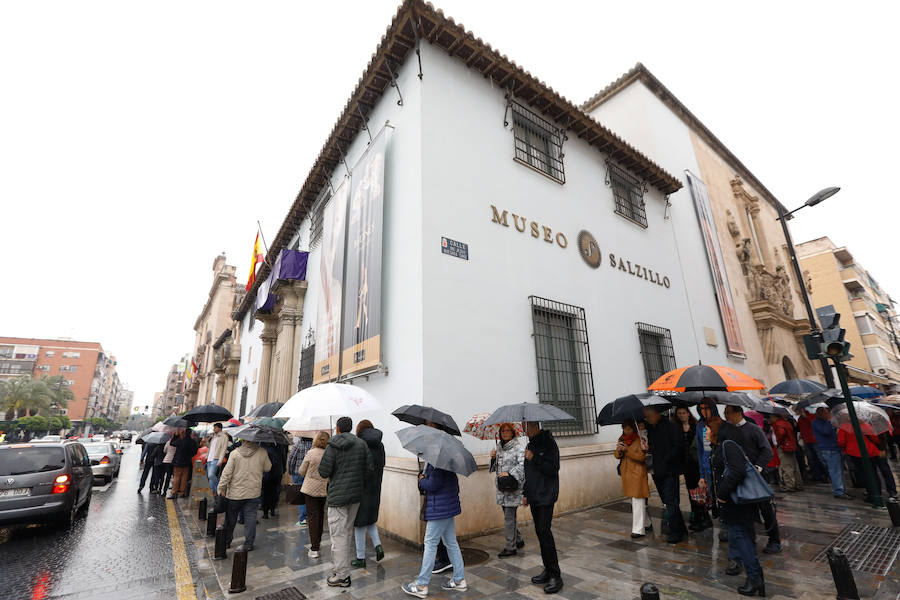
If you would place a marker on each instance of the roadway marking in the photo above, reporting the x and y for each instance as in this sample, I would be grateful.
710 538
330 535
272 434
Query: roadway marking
184 583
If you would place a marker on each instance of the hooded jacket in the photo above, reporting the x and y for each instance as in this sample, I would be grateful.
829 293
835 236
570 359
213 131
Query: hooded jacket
242 477
441 489
371 495
784 434
346 464
541 486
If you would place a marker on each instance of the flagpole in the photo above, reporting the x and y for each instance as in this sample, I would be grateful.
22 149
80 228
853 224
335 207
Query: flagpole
263 238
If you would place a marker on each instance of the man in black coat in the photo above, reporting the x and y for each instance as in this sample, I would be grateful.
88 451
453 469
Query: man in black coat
541 490
667 447
152 453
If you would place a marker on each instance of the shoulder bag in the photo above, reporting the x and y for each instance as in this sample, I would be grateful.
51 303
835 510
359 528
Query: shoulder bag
753 488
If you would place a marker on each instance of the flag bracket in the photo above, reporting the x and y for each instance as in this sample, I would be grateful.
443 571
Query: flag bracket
394 85
343 159
416 25
365 121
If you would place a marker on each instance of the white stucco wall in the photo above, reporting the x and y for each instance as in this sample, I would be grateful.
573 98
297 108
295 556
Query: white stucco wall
251 351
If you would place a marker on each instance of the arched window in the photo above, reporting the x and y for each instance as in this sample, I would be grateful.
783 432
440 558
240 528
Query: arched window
789 371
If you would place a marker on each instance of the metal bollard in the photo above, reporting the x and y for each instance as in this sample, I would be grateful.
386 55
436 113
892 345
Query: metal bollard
201 509
219 553
649 592
894 510
238 572
211 518
842 575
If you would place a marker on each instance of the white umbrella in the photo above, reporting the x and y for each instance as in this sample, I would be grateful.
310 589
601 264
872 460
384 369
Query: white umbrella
308 428
328 400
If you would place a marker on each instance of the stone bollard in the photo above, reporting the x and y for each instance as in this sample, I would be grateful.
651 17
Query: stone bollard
219 553
211 518
238 572
894 510
842 575
201 509
649 592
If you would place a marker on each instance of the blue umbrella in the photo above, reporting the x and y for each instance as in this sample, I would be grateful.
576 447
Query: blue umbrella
796 387
865 391
438 448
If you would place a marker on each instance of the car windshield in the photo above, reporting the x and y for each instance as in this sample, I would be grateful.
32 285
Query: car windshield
97 448
19 461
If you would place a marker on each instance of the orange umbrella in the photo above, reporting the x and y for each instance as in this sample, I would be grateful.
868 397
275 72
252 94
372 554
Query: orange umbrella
705 378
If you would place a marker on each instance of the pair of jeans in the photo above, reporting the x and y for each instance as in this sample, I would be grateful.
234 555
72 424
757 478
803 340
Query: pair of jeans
742 542
360 534
435 531
832 460
816 467
315 520
340 527
179 486
301 509
211 475
511 527
543 520
668 489
248 508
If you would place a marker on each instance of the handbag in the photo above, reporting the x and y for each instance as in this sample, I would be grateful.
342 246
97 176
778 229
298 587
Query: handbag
507 483
700 495
753 488
292 494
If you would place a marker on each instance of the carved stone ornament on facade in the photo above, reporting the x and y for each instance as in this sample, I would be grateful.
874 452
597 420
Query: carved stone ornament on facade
773 288
732 225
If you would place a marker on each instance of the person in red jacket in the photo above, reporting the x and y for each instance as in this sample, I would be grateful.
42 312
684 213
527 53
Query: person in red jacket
804 424
789 470
847 441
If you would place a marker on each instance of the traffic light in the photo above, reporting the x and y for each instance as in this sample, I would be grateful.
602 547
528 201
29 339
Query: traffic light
833 344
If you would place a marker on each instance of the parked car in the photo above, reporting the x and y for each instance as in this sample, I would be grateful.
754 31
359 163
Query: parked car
126 436
45 482
105 460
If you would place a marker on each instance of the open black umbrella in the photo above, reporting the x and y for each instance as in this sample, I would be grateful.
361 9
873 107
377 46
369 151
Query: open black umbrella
259 434
265 410
176 422
140 437
796 387
629 407
156 437
416 414
528 411
829 396
208 413
438 448
742 399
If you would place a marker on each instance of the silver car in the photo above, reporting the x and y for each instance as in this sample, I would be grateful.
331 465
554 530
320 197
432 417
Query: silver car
105 461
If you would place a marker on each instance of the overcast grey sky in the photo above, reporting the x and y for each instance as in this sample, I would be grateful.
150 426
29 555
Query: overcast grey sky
139 140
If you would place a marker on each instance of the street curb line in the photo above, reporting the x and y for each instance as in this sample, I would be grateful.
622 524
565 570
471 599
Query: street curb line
184 582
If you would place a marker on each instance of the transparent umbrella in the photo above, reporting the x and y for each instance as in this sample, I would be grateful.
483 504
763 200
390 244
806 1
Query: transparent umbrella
867 413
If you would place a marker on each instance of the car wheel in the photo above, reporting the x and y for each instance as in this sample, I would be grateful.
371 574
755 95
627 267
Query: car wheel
68 519
107 479
116 474
87 503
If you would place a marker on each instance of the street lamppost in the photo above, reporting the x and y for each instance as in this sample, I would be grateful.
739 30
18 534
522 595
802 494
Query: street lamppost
813 323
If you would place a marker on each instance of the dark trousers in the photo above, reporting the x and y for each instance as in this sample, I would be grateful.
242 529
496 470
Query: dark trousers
543 518
147 468
270 496
315 520
246 508
879 465
770 521
742 541
165 477
667 487
815 465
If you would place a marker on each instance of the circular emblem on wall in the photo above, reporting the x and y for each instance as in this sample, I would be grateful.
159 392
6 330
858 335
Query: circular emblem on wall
588 248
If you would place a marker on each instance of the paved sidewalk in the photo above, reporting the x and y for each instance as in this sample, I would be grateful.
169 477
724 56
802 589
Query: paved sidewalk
597 557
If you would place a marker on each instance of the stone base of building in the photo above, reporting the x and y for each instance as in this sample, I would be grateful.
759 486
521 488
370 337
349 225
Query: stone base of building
587 478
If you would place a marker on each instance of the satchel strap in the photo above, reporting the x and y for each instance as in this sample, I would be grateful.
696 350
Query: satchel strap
741 450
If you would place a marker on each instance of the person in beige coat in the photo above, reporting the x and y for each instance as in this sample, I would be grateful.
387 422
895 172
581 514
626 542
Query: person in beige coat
218 442
241 484
631 451
314 488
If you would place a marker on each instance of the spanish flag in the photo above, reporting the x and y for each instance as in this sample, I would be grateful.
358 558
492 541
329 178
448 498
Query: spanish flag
258 257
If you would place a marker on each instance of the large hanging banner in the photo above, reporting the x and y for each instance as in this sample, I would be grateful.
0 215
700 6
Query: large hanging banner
331 272
361 345
727 311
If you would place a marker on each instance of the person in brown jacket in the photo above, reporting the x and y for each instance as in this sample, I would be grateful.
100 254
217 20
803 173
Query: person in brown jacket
631 450
314 488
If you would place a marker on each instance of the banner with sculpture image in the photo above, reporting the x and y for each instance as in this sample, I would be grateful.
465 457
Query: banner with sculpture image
361 344
330 296
733 338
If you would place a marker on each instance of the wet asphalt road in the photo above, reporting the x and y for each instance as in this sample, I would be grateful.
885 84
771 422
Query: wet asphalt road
121 549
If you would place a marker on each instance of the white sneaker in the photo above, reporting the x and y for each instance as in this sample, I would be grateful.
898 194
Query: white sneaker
457 586
313 554
419 591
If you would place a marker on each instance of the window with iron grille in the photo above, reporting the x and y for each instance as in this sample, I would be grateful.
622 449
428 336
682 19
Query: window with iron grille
307 359
628 192
538 142
656 350
317 217
563 358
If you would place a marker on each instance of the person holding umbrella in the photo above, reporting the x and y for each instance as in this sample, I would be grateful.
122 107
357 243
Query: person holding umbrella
153 453
508 461
667 447
847 442
185 448
688 425
218 443
789 469
827 446
541 491
314 489
241 484
631 450
367 515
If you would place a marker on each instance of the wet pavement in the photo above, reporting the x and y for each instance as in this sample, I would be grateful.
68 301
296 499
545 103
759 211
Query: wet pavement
121 549
597 556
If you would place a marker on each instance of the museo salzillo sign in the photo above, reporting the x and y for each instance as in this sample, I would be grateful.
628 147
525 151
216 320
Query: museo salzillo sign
587 246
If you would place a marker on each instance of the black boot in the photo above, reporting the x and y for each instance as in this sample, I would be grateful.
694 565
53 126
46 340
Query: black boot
752 587
554 584
734 567
544 577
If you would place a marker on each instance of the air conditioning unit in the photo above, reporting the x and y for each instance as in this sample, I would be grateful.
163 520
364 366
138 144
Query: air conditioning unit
882 371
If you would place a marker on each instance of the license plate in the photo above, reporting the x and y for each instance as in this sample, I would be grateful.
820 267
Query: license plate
16 492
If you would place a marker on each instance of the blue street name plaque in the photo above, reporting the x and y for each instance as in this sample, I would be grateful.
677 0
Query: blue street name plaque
454 248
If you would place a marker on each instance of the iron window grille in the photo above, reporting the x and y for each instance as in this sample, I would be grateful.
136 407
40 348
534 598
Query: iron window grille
628 193
317 217
656 350
565 379
307 361
538 142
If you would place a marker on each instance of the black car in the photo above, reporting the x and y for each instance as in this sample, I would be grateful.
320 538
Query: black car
44 482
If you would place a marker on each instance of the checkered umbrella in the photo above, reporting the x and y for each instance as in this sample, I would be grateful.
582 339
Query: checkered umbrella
476 428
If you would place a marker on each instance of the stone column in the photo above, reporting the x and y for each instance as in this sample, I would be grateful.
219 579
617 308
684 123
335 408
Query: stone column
220 383
290 315
232 367
269 336
752 205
